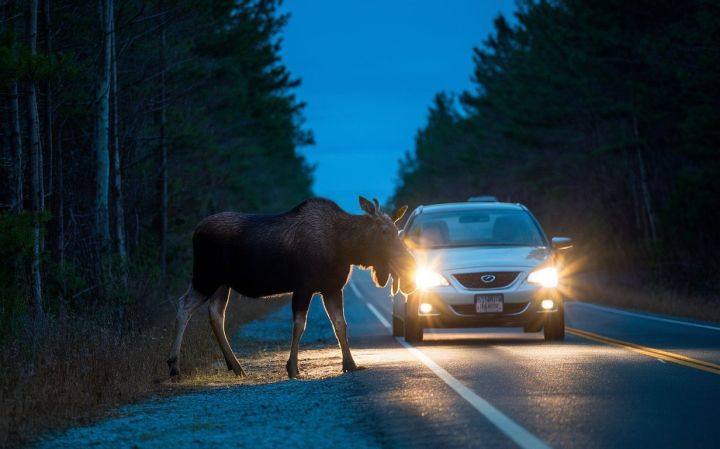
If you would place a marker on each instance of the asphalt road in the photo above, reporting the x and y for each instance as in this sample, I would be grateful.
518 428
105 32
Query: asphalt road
621 379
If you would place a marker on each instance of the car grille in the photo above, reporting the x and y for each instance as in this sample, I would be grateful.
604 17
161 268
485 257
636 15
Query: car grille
508 308
474 280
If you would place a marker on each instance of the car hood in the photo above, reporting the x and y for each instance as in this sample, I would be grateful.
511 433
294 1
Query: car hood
475 257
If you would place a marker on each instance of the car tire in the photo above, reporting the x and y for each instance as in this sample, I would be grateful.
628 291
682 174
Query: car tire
398 327
412 328
554 328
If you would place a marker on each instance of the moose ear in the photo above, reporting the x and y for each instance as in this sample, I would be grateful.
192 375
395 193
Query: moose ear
398 214
367 206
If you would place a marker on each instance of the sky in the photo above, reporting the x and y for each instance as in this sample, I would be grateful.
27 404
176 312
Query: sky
370 69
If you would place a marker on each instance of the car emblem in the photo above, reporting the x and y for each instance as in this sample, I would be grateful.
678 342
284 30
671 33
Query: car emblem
487 278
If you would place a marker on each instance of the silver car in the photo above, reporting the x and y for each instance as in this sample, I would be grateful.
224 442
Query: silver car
481 264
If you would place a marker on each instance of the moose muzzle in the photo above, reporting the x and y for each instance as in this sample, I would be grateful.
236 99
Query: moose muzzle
403 273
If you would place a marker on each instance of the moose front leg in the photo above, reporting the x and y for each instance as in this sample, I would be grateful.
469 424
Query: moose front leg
333 303
300 304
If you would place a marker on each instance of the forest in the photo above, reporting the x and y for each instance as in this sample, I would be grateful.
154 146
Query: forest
122 128
123 123
602 118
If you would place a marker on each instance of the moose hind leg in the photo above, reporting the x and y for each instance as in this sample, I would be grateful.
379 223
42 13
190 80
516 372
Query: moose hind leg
333 303
216 309
187 305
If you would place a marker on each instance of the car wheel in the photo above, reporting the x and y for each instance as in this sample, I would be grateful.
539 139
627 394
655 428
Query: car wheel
413 329
398 327
555 325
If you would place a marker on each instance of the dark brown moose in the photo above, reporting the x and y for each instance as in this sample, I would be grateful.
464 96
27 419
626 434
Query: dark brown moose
308 250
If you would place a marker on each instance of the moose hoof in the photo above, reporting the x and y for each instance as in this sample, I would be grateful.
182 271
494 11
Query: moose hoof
351 367
293 371
172 364
236 368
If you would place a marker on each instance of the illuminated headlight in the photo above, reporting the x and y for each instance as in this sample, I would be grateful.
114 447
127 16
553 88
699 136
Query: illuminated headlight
425 308
425 278
547 277
547 304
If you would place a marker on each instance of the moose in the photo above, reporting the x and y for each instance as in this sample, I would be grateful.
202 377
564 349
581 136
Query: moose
309 249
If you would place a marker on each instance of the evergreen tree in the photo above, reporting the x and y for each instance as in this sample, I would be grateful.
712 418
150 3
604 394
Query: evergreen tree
155 114
599 116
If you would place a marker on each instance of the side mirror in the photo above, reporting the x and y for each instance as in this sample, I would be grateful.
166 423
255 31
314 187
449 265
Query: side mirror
562 243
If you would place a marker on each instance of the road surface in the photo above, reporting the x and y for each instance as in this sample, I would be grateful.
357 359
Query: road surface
621 379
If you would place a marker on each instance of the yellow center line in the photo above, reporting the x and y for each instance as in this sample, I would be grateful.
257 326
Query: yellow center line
650 352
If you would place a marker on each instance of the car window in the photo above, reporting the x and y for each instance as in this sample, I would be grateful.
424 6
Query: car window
492 227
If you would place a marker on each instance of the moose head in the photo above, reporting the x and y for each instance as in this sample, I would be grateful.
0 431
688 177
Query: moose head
386 253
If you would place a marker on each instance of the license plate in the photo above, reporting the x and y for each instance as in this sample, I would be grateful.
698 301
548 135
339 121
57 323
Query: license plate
488 303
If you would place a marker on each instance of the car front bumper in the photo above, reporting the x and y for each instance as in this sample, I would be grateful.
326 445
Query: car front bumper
454 308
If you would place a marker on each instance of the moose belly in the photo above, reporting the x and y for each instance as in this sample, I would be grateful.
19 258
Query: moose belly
262 279
259 289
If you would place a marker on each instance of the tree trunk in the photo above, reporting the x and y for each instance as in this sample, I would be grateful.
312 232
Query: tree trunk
36 180
117 165
56 185
17 172
18 178
644 189
163 156
102 191
60 179
48 109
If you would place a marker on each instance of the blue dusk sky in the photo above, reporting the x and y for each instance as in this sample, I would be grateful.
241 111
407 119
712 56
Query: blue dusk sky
369 71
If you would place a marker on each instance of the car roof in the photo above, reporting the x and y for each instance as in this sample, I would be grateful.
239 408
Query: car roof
468 206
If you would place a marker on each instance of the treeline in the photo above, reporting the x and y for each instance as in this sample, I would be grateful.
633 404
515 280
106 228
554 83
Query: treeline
603 118
124 122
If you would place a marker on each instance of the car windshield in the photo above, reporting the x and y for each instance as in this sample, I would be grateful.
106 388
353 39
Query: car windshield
489 227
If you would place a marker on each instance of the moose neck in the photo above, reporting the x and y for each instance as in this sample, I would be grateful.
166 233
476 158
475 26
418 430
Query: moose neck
353 237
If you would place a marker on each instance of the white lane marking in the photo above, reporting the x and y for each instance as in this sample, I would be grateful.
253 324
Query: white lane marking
510 428
379 316
355 289
647 317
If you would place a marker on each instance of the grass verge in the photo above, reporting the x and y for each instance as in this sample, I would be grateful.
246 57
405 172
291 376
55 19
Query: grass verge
85 371
649 298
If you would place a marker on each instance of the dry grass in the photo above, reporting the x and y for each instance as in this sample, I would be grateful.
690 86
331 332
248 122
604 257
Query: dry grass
84 372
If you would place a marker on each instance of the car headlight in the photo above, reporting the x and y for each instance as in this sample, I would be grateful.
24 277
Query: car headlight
426 278
547 277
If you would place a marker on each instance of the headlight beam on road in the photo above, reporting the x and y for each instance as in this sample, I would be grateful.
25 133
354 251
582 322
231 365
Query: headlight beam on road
514 431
